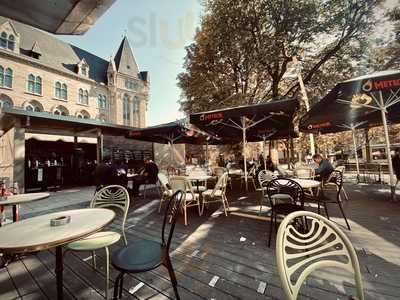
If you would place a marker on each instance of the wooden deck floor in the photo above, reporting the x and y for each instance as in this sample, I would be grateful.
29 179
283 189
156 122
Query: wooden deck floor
232 248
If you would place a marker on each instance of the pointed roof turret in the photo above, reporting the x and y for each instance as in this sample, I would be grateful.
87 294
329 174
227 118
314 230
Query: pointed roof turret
124 59
35 48
111 66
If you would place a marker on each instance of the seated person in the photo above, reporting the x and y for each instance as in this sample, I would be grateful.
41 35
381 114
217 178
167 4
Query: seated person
104 174
149 175
324 169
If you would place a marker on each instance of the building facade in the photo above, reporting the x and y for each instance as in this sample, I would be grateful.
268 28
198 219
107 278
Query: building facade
39 72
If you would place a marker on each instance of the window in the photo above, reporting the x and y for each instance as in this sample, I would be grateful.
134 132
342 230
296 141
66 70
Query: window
3 40
11 42
60 111
83 115
102 102
64 92
84 70
131 85
126 110
57 92
136 105
33 106
83 97
34 84
5 103
6 77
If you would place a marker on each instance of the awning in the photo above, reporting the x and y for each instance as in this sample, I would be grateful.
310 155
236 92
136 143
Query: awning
47 123
57 16
58 138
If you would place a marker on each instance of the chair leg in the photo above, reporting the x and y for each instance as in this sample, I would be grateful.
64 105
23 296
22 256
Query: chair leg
326 210
344 216
94 259
202 207
345 194
226 202
223 203
199 207
171 272
121 285
117 283
144 191
319 208
107 272
185 213
159 207
270 228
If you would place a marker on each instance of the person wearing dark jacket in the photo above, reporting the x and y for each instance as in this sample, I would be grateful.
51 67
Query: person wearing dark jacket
149 175
104 174
396 165
324 169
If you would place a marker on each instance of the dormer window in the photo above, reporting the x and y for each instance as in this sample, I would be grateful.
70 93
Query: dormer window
7 41
83 68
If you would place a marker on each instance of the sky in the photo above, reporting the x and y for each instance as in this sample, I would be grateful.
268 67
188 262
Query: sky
158 32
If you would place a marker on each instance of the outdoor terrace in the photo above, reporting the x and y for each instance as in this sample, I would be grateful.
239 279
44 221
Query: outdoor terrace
211 246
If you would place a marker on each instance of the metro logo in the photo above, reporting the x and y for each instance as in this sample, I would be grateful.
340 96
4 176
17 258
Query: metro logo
384 84
212 116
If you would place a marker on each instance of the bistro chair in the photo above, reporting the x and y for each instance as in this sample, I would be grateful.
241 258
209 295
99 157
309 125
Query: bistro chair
144 255
112 196
219 171
201 185
166 191
325 196
324 245
250 177
264 177
342 169
218 194
285 196
190 198
150 184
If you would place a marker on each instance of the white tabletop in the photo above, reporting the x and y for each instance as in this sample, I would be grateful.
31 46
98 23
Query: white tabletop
307 183
22 198
198 177
235 172
35 234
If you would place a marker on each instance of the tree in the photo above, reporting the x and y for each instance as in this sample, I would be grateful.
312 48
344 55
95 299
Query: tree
243 48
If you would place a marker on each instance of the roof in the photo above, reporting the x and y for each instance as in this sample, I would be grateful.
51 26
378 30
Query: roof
58 54
125 60
44 122
56 16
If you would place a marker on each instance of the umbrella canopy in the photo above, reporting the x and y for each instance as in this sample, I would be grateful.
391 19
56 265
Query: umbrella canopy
365 101
355 102
177 132
272 120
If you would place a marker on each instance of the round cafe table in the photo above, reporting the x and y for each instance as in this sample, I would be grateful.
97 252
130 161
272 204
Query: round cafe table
15 200
198 178
307 183
36 234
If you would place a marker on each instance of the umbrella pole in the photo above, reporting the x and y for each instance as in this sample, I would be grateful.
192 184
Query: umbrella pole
206 160
264 154
389 156
244 150
353 131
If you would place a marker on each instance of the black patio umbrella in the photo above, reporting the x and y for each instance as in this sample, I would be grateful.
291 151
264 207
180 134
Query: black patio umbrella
253 122
366 101
177 132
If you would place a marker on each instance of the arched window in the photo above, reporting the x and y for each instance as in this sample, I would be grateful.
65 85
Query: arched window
5 101
83 114
38 85
136 105
34 84
11 42
1 76
34 106
60 111
126 110
57 92
8 77
102 102
83 97
3 40
64 92
31 83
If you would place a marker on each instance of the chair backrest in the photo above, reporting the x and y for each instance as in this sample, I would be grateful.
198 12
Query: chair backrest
163 180
340 169
265 176
335 178
113 196
304 173
298 254
287 187
181 183
219 171
221 184
171 215
171 171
